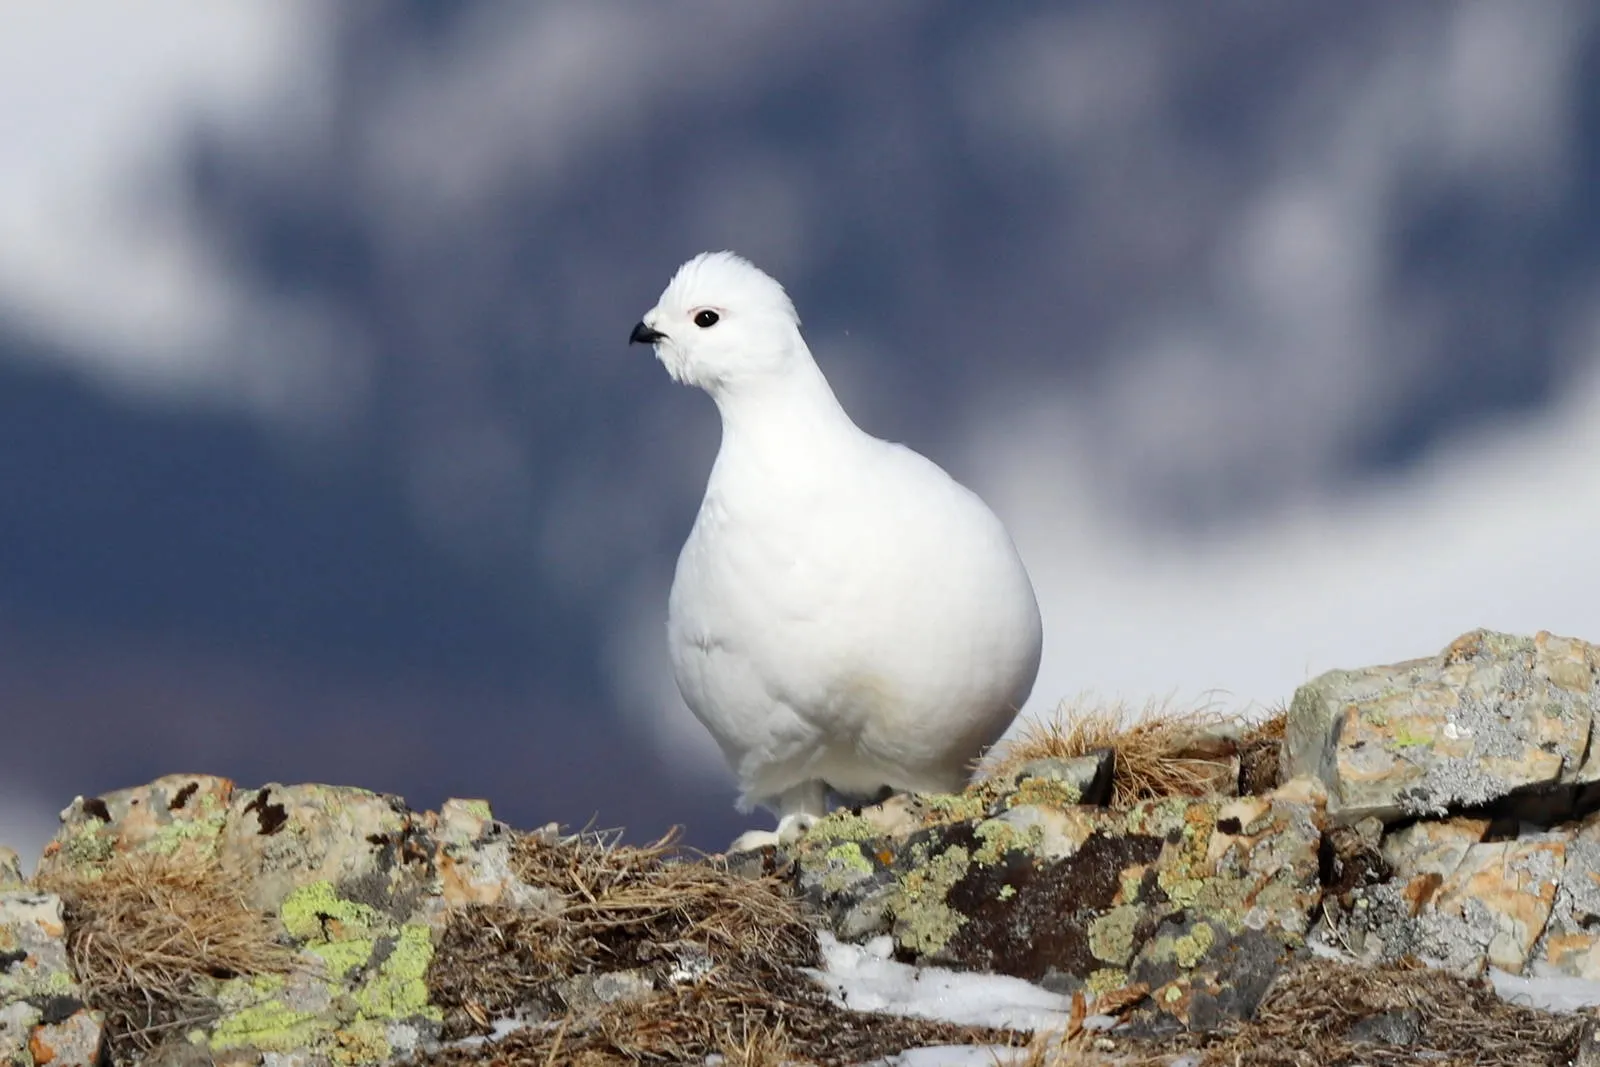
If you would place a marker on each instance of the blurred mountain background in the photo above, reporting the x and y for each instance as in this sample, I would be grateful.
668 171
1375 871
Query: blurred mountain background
1271 329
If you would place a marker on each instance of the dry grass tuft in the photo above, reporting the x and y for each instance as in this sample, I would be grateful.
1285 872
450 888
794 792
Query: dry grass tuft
759 1045
614 908
1326 1013
147 933
1258 753
1159 752
719 958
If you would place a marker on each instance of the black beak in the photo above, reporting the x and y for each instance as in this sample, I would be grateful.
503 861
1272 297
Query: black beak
644 335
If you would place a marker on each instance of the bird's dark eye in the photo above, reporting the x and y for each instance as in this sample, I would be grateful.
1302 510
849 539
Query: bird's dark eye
706 318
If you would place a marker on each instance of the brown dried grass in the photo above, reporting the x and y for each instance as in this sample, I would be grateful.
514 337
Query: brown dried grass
1259 750
1325 1013
611 907
1160 752
1308 1019
147 932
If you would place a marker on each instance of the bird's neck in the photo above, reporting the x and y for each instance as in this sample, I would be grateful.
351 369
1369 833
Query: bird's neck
792 409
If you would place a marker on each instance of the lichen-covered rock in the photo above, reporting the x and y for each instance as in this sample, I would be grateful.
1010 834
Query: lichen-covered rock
281 838
1089 776
1200 899
179 815
42 1016
1527 904
10 869
1570 943
473 857
75 1041
359 885
1492 716
33 947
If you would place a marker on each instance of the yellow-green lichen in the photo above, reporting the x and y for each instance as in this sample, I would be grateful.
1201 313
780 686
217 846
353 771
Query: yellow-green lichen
1000 837
956 807
1157 818
1267 820
398 990
263 1020
924 920
1129 882
172 837
315 910
843 865
87 849
339 958
1007 892
841 825
1406 737
1182 891
346 934
478 808
1104 980
1192 947
1111 935
363 1041
351 939
1046 792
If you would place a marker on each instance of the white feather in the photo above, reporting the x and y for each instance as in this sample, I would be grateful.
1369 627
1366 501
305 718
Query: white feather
844 613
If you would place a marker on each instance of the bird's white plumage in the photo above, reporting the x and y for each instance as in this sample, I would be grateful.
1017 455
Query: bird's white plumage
844 613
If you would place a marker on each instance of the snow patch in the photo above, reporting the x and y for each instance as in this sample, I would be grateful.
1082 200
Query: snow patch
1559 993
865 978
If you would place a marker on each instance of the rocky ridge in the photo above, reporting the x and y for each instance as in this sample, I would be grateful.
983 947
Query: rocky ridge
1445 809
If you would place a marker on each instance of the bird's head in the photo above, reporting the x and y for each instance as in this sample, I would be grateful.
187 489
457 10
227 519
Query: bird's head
721 322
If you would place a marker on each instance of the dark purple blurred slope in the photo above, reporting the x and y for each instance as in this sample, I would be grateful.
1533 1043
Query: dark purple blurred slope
175 596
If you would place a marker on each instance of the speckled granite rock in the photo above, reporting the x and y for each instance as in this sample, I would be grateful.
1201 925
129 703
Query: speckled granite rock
42 1018
1528 904
1493 716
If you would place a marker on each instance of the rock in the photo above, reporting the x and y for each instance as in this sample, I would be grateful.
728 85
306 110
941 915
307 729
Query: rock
1493 716
283 838
585 993
1570 943
1431 850
1399 1027
33 947
76 1041
1089 776
1441 808
179 815
1200 899
1527 905
352 878
10 869
473 858
179 1052
42 1014
1496 903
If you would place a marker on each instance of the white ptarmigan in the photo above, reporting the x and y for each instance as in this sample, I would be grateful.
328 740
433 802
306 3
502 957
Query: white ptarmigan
844 614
